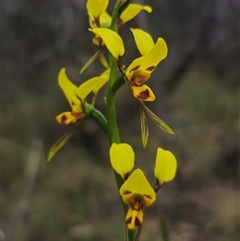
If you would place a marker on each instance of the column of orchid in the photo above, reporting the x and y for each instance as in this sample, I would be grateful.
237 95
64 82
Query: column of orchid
135 190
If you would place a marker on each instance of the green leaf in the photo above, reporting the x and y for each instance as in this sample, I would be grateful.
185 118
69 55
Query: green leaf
144 127
62 141
118 83
100 119
156 119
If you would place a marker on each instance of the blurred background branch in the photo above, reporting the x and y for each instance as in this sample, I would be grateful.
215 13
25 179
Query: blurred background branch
17 229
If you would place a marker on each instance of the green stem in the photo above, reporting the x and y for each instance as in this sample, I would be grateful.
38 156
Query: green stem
113 133
100 119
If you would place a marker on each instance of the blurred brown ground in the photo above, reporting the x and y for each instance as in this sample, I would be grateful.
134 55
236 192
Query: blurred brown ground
197 87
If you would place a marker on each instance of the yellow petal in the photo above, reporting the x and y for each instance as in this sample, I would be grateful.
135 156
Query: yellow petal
103 60
105 20
132 11
111 39
149 61
69 89
143 93
106 73
92 21
137 184
97 7
99 84
139 76
66 118
166 166
92 85
122 158
143 41
134 216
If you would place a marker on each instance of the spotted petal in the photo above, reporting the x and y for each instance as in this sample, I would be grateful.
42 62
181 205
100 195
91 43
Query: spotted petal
137 184
143 93
150 60
67 118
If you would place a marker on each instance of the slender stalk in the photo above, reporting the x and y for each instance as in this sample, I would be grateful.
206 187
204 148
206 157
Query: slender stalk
138 233
113 133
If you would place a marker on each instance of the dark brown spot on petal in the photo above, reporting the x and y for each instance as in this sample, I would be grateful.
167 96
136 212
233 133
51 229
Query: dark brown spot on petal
137 222
128 220
78 115
151 68
137 204
147 196
133 69
144 95
63 120
126 192
94 22
137 208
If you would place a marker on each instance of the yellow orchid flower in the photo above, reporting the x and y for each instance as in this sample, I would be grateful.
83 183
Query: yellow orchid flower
99 18
138 193
76 96
136 190
122 159
139 71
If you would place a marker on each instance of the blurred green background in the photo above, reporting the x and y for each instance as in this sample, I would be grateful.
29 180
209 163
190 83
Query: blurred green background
74 197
